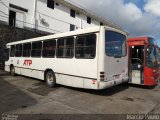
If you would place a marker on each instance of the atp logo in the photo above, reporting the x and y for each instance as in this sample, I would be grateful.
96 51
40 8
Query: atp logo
27 62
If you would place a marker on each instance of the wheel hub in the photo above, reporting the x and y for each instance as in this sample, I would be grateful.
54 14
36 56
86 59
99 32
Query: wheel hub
50 78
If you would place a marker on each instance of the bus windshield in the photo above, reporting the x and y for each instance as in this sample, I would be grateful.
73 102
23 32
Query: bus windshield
152 41
115 44
151 56
158 55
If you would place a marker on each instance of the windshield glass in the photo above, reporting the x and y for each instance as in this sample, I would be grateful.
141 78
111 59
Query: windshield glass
115 44
152 41
151 56
158 55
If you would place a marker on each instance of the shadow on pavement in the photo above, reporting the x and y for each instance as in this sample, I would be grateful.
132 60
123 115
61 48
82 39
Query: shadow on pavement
141 86
2 73
12 98
105 92
42 89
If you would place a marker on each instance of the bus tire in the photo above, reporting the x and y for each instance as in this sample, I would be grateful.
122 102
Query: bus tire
50 79
12 70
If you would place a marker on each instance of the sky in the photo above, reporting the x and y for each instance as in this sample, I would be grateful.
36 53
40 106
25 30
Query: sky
138 17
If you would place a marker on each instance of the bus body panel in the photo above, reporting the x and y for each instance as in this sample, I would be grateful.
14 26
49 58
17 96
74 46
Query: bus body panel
111 66
80 73
68 72
150 76
116 68
119 69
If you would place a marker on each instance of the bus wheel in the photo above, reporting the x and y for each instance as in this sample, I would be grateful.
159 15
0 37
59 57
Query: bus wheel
50 79
12 71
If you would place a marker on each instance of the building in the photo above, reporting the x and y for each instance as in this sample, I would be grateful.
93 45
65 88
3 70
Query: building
48 16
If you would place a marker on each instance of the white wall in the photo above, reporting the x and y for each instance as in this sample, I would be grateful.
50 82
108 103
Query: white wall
4 11
27 16
55 20
85 24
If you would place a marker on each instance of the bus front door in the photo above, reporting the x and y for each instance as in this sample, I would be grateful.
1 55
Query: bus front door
136 64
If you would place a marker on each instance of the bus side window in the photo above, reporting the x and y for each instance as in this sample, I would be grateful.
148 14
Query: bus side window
18 50
86 46
13 51
69 52
27 50
49 48
36 49
65 47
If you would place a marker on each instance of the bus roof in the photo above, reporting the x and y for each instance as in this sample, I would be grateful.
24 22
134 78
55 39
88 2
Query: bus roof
138 38
141 40
66 34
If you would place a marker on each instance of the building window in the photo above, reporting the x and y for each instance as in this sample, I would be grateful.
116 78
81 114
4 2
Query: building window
49 48
36 49
72 13
72 27
89 20
50 4
13 51
86 46
18 50
27 50
65 47
12 18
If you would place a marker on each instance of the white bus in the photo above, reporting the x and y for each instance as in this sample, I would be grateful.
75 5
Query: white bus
92 58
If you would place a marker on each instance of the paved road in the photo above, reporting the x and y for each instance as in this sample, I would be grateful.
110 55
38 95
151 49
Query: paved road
23 95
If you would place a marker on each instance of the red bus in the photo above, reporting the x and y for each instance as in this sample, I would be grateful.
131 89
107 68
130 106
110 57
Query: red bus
144 61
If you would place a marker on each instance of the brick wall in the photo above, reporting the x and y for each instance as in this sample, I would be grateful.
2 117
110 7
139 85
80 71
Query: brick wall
10 34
